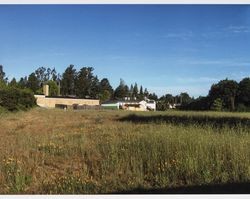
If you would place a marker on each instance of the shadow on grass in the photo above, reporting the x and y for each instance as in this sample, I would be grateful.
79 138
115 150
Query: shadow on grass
189 120
230 188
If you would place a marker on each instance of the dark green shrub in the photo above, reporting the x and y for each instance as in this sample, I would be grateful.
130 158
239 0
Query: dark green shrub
14 99
242 108
217 105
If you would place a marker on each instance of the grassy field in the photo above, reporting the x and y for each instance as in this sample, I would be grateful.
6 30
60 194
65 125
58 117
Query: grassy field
55 151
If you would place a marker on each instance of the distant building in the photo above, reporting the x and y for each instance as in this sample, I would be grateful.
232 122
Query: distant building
133 105
64 102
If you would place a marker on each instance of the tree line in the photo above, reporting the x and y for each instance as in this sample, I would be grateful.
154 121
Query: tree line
81 84
226 95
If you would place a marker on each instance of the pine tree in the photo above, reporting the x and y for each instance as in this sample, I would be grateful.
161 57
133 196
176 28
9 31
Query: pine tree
68 81
33 82
135 91
141 95
106 90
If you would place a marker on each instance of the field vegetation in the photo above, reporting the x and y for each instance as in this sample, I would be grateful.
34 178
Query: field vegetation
69 152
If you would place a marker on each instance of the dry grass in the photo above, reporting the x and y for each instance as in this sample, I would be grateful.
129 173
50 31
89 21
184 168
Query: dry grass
56 151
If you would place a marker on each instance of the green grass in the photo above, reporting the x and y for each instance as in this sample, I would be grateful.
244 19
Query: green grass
101 152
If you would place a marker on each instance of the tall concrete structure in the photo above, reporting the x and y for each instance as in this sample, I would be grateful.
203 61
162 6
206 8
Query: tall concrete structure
46 90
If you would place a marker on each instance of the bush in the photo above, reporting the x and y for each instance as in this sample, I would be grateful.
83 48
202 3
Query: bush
217 105
242 108
14 99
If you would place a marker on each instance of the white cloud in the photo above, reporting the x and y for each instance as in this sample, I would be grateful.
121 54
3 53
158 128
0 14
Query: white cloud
238 29
197 80
179 35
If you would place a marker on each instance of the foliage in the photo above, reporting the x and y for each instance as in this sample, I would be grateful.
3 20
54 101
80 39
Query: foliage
106 90
68 81
185 98
53 88
199 104
41 74
234 96
13 83
243 108
14 99
153 96
135 91
226 90
84 81
23 82
3 79
121 91
244 92
33 82
217 105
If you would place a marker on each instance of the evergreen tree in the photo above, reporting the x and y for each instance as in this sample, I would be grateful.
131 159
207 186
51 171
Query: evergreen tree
153 96
13 83
141 94
68 81
23 82
87 85
226 90
146 93
135 91
3 79
244 92
131 90
94 88
33 82
106 90
121 91
185 98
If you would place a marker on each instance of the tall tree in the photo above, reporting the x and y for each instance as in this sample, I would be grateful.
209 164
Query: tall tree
41 75
94 87
153 96
146 93
135 90
185 98
33 82
225 90
141 94
87 85
131 90
54 75
48 74
244 92
13 83
3 79
22 83
169 98
121 91
68 81
106 90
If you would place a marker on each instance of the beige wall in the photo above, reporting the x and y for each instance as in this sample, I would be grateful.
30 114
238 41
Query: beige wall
43 101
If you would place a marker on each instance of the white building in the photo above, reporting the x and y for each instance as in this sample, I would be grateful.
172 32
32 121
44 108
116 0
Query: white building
143 105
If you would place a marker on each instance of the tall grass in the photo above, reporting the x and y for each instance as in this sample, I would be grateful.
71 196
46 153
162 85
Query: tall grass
97 152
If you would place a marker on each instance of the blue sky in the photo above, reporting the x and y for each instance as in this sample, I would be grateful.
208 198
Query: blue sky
166 48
